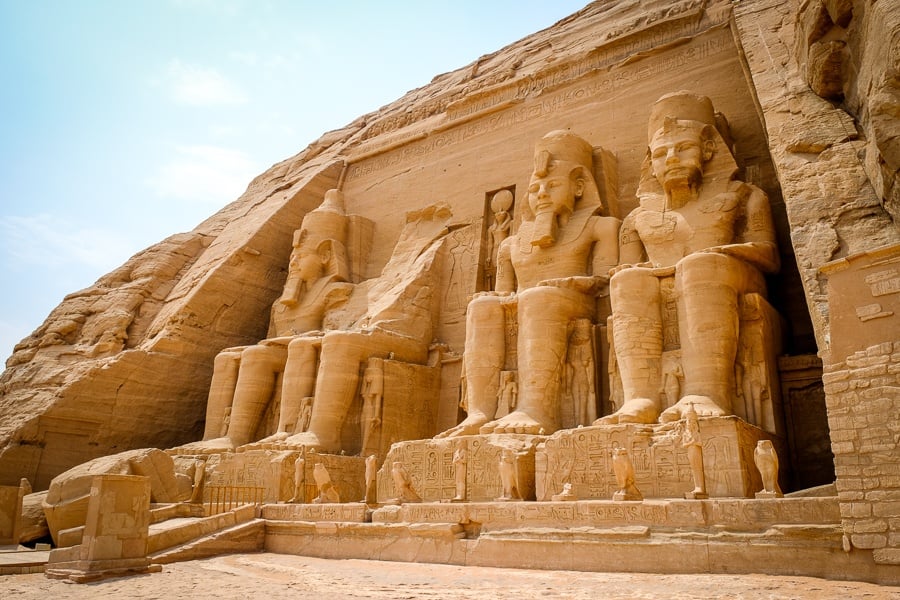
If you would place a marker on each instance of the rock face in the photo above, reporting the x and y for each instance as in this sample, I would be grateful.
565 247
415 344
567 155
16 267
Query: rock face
446 188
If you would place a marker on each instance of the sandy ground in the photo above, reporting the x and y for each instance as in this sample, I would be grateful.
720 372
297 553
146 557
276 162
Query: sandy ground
274 576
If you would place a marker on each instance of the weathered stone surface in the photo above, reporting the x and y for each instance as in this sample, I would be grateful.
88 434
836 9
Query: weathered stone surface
446 188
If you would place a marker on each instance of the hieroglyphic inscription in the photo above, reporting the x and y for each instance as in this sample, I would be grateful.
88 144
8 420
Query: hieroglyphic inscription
582 457
545 104
429 464
485 93
883 283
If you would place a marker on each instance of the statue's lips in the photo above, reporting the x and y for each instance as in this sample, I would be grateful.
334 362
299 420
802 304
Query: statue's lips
678 172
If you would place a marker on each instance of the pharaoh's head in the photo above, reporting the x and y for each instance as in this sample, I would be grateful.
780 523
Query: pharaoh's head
318 248
562 175
682 140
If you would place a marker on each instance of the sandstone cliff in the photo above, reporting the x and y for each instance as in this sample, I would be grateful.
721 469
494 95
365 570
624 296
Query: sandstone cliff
126 363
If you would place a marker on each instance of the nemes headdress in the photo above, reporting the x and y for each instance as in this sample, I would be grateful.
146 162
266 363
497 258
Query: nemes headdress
681 106
561 149
328 221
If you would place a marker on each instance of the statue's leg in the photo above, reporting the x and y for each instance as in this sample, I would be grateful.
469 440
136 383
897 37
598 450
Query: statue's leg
221 391
260 366
638 339
485 352
544 315
337 380
299 379
707 286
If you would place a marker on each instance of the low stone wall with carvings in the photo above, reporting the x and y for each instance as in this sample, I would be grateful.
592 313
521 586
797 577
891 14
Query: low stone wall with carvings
863 398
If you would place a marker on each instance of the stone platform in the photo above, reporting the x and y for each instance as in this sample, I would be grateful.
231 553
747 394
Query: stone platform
582 457
787 536
429 464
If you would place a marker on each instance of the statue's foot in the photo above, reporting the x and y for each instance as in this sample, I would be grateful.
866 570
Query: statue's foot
311 441
469 426
273 442
636 410
276 437
222 444
704 406
517 422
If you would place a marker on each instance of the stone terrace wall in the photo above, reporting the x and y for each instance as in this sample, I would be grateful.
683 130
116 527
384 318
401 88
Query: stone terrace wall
863 399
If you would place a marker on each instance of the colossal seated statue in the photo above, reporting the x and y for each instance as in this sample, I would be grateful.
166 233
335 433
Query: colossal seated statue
321 330
701 240
391 317
246 378
548 274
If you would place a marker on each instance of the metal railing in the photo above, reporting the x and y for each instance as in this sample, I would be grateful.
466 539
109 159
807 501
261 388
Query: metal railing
222 498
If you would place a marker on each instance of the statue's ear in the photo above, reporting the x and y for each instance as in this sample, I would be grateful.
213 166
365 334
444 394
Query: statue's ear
325 251
579 187
709 143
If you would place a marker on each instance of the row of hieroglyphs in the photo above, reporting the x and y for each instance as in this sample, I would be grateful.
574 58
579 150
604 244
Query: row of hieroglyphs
649 30
543 106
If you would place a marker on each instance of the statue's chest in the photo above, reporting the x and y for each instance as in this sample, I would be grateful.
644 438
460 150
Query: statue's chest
699 225
564 259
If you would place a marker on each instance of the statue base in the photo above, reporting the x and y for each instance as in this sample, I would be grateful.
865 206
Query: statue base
269 476
583 458
429 464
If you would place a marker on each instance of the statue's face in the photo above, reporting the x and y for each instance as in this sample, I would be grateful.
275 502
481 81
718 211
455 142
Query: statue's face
306 265
552 193
678 156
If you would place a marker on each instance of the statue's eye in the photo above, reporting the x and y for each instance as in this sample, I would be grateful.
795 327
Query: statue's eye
533 188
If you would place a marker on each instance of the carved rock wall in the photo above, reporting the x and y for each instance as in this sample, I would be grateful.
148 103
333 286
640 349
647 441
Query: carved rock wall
810 92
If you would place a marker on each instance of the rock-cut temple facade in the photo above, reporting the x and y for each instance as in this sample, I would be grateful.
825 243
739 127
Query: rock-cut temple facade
623 295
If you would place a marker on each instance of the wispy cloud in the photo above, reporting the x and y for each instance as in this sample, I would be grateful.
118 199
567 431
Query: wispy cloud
205 174
195 85
48 240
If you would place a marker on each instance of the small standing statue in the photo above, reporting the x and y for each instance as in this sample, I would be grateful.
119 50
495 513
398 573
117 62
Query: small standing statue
690 439
580 371
299 481
766 460
199 477
460 467
508 394
225 422
501 202
624 470
372 393
403 483
509 480
305 414
327 492
371 473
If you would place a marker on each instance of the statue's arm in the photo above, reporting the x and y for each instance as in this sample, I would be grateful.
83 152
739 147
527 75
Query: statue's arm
606 246
506 275
755 242
631 248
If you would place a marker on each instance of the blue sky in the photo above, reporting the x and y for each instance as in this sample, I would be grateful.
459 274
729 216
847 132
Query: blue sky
125 121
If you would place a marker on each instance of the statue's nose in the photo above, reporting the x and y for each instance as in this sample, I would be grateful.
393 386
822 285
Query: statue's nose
671 156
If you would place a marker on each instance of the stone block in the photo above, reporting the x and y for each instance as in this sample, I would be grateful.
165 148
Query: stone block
582 457
430 465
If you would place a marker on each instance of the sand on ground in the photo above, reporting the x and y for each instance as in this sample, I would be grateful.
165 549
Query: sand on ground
275 576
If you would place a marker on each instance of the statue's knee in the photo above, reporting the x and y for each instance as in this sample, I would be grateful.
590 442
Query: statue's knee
707 268
261 355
